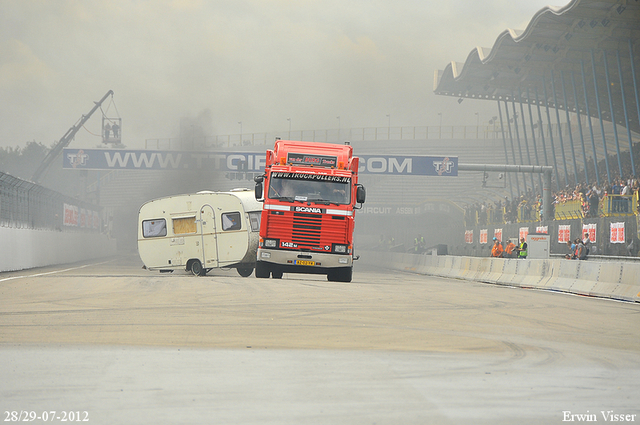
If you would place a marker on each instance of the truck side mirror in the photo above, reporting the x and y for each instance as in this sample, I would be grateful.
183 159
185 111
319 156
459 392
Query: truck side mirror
258 188
361 194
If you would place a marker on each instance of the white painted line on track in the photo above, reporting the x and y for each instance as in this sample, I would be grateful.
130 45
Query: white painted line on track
55 271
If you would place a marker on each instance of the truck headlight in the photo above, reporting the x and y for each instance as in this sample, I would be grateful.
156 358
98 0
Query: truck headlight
270 243
339 249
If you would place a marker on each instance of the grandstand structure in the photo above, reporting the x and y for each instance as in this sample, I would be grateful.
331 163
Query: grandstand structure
578 63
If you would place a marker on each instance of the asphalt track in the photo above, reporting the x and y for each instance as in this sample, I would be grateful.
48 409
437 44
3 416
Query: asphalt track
118 344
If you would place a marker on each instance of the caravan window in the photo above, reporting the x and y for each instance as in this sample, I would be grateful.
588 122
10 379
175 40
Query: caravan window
254 219
231 221
182 225
154 228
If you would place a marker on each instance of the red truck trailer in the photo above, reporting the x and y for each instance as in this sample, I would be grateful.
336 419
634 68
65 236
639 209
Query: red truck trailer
310 193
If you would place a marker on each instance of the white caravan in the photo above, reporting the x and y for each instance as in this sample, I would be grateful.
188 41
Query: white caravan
201 231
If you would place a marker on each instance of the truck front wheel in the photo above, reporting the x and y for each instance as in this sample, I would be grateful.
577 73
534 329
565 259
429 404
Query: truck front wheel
262 270
343 274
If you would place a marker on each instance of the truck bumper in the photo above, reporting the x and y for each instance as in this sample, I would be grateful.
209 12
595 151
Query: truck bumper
306 262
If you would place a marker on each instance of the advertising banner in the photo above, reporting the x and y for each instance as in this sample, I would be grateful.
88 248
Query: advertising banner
73 216
542 229
70 217
483 235
617 233
468 236
522 233
120 159
564 233
589 229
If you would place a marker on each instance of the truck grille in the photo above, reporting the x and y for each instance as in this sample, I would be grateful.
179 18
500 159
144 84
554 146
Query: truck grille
307 229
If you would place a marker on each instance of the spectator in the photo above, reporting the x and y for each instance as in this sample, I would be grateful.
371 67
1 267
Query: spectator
593 204
572 250
581 250
586 241
634 247
418 244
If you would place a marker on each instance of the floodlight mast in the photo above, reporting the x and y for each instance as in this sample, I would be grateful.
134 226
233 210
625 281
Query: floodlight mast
65 140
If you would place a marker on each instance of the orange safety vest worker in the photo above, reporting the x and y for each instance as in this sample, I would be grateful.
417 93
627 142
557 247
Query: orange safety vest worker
496 250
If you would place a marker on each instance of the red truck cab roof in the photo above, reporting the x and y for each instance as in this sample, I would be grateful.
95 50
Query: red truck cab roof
313 155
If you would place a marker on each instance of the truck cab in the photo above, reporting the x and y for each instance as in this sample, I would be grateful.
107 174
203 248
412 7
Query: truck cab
310 193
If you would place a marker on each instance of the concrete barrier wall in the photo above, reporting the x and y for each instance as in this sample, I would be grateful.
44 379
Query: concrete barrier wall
28 248
617 280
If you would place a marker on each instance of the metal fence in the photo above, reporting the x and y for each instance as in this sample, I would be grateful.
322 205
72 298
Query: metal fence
338 135
26 205
331 136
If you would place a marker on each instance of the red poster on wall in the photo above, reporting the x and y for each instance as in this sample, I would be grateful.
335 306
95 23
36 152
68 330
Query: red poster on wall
497 233
483 235
590 229
617 233
564 233
70 217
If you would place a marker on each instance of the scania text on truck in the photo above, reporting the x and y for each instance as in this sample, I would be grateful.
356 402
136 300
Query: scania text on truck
310 193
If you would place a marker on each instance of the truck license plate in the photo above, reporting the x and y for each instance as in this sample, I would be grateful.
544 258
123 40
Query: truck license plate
305 263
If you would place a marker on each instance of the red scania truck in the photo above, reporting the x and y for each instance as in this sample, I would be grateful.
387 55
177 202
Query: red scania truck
310 193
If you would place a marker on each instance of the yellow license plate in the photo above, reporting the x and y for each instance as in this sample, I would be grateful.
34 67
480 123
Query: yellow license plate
305 263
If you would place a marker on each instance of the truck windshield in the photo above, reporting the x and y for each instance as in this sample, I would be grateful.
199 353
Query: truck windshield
310 188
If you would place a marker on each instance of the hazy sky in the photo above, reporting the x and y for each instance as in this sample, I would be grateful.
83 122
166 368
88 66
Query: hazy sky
255 61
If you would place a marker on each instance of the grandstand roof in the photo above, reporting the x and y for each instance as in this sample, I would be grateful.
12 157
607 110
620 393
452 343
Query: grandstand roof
557 44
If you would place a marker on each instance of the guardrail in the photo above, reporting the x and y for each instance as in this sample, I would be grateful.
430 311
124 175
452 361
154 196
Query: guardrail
619 205
609 279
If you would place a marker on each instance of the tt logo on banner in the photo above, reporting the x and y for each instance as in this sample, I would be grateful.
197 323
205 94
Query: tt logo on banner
443 166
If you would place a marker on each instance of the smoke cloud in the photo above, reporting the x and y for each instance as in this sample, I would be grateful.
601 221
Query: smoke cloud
266 64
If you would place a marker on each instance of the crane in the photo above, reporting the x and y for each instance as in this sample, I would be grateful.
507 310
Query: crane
65 140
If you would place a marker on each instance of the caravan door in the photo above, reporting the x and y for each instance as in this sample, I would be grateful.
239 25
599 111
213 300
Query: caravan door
208 237
233 236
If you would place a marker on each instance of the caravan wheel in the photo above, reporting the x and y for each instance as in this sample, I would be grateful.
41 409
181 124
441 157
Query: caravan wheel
245 271
197 269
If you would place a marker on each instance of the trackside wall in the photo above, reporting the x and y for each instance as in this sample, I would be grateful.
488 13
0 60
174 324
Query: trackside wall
28 248
616 280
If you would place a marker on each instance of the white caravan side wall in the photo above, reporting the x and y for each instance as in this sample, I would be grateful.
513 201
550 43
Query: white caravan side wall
212 227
